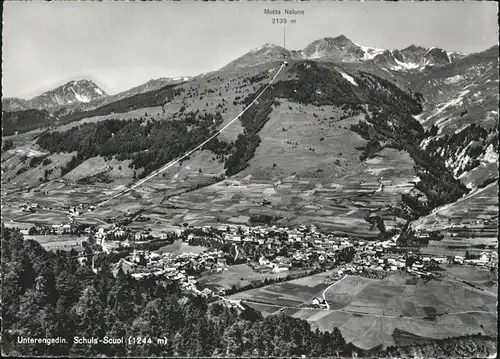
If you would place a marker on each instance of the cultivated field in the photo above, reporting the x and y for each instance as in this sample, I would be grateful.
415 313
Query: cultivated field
366 331
292 293
339 206
59 242
240 275
481 278
473 216
180 247
402 295
372 312
458 247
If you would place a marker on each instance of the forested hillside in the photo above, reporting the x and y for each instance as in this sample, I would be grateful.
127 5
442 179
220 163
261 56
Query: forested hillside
149 144
49 295
152 144
464 148
25 120
394 129
141 100
473 346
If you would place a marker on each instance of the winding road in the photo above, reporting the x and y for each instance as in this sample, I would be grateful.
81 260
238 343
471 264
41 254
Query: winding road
328 288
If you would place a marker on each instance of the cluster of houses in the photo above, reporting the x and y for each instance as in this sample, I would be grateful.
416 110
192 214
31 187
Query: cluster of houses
55 229
259 234
483 259
304 246
29 207
72 210
179 267
279 264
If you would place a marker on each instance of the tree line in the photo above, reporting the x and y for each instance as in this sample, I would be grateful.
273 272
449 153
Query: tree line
397 129
148 144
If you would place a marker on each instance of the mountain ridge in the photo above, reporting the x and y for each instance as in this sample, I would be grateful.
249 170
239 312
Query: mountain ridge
342 49
12 104
75 91
338 49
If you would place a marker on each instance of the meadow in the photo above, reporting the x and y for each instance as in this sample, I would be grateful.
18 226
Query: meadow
293 293
372 312
240 275
59 242
369 331
180 247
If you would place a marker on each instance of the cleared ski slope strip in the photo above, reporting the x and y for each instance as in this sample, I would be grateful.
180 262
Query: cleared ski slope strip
170 164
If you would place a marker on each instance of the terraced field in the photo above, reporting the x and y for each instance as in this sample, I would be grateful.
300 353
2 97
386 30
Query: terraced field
470 224
335 205
346 290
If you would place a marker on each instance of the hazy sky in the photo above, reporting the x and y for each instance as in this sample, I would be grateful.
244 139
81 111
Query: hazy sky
123 44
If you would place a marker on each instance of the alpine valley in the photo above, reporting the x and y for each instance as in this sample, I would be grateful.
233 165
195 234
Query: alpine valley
387 150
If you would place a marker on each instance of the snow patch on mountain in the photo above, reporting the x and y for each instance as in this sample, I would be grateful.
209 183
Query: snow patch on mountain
79 98
425 142
453 79
419 117
405 65
370 52
455 102
315 55
491 155
349 78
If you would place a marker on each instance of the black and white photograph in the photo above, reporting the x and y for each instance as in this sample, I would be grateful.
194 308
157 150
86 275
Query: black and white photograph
285 179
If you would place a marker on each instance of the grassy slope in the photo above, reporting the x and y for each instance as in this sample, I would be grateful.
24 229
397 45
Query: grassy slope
368 311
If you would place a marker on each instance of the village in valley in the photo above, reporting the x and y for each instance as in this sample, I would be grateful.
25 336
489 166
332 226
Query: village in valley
267 253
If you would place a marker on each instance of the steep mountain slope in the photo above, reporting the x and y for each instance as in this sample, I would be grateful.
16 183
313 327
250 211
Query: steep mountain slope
461 112
72 92
27 120
389 64
469 84
261 55
353 130
337 144
339 49
461 118
151 85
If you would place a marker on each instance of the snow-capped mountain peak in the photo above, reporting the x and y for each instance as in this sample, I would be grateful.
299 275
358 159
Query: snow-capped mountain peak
339 49
71 92
342 49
